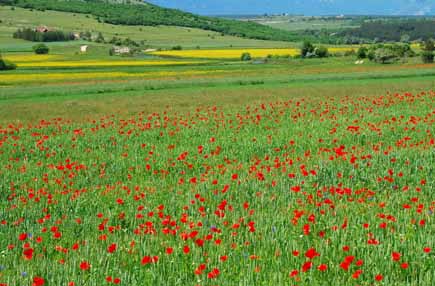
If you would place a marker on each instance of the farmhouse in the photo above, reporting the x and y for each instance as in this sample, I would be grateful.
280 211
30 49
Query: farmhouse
42 29
121 50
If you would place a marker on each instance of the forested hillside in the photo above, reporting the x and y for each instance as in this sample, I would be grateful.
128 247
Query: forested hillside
134 13
394 30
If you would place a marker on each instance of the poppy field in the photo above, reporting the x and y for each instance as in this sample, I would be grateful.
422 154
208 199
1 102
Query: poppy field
332 190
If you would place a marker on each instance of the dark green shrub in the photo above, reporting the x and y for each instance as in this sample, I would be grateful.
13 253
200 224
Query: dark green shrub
429 46
427 54
321 52
385 56
427 57
307 49
246 57
371 55
100 38
362 52
6 65
41 49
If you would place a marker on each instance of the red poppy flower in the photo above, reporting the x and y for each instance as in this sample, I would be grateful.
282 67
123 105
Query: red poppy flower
311 253
213 274
307 266
294 273
186 249
395 256
322 267
28 253
379 277
38 281
146 260
85 266
357 273
200 269
169 250
111 248
345 265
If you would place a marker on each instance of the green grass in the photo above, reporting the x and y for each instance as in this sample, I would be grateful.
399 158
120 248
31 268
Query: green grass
91 98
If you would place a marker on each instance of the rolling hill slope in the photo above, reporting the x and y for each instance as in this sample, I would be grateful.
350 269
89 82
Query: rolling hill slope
134 13
164 37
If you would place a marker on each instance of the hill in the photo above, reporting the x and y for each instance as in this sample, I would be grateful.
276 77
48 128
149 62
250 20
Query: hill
164 37
135 13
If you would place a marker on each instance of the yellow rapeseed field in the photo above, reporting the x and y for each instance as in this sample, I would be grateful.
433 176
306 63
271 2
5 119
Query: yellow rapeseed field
103 63
236 53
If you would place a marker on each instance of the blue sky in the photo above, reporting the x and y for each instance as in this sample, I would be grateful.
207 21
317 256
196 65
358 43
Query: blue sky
306 7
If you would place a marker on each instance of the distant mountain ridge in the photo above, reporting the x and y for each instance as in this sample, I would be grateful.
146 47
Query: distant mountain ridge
132 12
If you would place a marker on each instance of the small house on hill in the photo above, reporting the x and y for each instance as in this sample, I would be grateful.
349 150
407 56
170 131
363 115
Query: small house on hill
150 50
121 50
42 29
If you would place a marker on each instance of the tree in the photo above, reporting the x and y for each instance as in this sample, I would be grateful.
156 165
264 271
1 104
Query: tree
87 36
427 57
245 57
307 49
321 52
385 56
405 38
41 49
427 54
100 38
362 53
177 48
6 65
429 45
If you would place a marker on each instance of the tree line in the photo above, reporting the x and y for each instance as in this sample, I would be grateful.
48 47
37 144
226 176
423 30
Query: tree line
49 36
393 31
